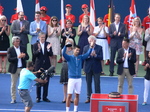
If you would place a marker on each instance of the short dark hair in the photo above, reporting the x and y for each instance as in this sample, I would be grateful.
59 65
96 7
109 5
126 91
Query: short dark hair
126 40
99 18
30 64
38 12
77 47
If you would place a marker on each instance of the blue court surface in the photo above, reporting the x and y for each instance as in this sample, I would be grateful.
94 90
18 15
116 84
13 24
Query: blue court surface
108 84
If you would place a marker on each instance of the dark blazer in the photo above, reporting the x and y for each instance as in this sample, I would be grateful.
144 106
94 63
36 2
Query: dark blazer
15 30
131 61
42 60
116 41
93 63
13 60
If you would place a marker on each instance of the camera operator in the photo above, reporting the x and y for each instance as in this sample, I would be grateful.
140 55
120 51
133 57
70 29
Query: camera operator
42 50
26 77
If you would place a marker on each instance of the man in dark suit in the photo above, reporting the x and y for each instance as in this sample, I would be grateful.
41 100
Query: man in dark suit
42 50
92 67
126 58
117 33
20 28
17 57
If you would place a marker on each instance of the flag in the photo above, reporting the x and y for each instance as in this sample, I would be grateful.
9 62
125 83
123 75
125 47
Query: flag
132 13
62 15
37 5
92 13
1 10
149 13
19 6
111 13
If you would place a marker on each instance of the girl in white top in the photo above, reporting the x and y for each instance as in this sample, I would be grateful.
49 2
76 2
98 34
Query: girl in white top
101 32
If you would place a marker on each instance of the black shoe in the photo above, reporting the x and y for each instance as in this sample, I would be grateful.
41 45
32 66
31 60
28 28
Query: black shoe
111 74
37 100
87 101
46 100
102 73
63 101
71 101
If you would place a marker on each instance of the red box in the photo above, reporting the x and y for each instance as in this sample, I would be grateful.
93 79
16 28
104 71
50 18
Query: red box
103 103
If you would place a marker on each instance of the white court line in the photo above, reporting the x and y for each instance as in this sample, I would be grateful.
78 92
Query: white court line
22 110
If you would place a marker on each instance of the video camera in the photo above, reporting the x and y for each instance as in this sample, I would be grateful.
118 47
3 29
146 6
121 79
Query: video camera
46 74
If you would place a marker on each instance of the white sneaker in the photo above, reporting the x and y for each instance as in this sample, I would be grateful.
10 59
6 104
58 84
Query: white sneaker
13 101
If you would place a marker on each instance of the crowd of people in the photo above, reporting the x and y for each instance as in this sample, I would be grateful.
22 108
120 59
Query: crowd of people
88 53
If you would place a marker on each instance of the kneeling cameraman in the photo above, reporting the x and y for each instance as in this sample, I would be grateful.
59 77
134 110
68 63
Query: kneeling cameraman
26 77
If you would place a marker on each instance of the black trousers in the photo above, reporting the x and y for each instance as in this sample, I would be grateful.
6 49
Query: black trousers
45 89
33 56
112 58
89 83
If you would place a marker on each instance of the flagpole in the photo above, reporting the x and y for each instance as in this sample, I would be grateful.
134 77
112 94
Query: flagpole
92 13
62 15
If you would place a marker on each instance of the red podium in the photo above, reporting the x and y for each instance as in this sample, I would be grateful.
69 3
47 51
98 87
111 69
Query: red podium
103 103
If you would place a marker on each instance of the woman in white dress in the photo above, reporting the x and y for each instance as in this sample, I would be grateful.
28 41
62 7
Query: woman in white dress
53 37
101 33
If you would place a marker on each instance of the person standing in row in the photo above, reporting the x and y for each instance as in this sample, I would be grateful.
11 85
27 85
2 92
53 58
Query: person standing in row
20 28
125 59
17 57
146 80
117 33
4 42
68 32
136 35
84 8
92 66
26 77
146 25
101 32
74 73
44 16
68 14
36 27
53 38
42 50
84 30
147 39
147 67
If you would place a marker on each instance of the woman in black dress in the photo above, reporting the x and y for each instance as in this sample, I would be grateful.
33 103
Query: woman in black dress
4 42
68 32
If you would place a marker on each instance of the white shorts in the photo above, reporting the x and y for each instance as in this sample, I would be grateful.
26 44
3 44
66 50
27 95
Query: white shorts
74 85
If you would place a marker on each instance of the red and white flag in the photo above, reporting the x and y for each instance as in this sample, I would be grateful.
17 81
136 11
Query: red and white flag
1 10
62 15
37 5
92 13
19 6
132 13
